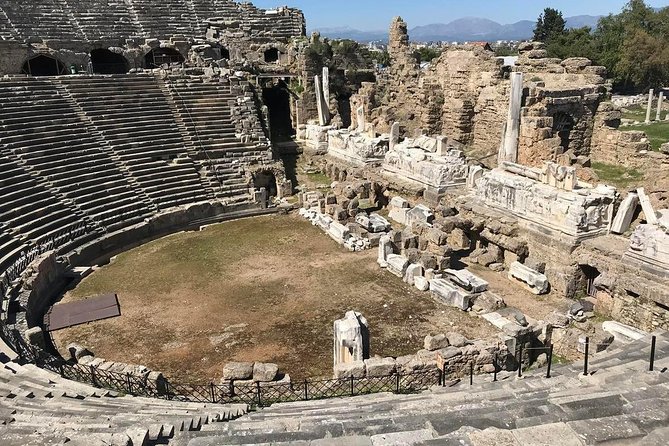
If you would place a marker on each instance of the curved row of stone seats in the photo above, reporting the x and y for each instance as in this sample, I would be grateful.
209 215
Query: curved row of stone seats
72 20
39 407
620 403
47 19
258 23
133 116
204 109
10 249
32 212
38 125
7 31
105 19
165 18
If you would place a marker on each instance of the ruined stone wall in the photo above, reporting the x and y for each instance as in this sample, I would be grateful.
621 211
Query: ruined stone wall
626 291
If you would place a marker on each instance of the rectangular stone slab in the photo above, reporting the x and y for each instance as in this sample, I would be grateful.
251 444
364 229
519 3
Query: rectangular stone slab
467 280
450 294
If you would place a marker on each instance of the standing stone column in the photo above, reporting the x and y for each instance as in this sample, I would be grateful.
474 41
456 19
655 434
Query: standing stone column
326 87
649 110
394 135
509 150
659 106
323 114
360 116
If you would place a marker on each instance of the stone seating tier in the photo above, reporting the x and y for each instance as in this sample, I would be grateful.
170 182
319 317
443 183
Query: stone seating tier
39 407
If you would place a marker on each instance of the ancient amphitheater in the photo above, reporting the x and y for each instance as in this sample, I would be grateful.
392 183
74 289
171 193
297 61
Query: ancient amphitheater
467 183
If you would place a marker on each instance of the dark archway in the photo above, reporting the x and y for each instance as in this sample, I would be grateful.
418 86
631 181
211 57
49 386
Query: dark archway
44 65
265 179
271 55
225 53
162 56
590 273
563 124
277 99
108 62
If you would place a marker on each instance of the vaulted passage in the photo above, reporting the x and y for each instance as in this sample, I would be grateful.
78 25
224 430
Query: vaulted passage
277 99
162 56
108 62
44 65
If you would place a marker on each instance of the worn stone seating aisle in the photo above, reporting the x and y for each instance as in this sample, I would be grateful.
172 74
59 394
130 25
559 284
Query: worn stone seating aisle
7 31
42 129
105 19
133 116
38 407
620 402
204 109
43 19
165 18
33 213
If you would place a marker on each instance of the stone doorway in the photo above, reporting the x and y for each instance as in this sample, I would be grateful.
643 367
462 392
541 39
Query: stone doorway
44 65
590 274
276 97
266 179
225 53
162 56
108 62
563 124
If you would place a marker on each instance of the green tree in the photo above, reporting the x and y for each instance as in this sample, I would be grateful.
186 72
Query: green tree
577 42
549 25
426 54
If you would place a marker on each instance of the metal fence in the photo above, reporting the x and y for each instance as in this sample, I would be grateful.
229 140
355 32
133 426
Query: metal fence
26 257
256 394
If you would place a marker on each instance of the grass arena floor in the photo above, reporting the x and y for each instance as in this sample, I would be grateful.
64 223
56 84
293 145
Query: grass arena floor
262 289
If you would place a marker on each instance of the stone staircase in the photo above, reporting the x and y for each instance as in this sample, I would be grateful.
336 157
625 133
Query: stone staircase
38 407
618 402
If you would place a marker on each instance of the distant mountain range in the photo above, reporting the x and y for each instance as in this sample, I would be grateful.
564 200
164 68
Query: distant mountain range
465 29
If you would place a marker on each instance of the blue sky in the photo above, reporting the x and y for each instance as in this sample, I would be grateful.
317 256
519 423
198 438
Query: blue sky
372 15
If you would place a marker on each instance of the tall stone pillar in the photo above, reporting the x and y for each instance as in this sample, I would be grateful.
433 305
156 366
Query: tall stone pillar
323 113
649 110
509 149
360 117
326 86
659 106
394 135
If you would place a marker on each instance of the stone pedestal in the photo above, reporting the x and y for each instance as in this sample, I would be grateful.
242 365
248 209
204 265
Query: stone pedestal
351 339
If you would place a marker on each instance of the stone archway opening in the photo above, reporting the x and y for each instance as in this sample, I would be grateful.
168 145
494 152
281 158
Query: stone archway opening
589 274
265 179
43 65
276 96
563 124
225 53
108 62
162 56
271 55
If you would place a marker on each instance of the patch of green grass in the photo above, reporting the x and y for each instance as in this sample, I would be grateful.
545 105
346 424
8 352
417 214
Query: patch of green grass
319 178
557 359
658 133
636 113
618 176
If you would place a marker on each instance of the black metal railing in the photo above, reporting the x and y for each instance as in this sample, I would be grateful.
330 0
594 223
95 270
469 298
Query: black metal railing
26 257
256 394
264 394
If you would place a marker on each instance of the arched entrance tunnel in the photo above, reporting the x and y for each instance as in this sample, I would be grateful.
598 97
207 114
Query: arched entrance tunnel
108 62
162 56
266 179
276 96
44 65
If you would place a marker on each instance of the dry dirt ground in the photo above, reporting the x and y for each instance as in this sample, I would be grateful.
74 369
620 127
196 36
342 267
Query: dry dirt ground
264 289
